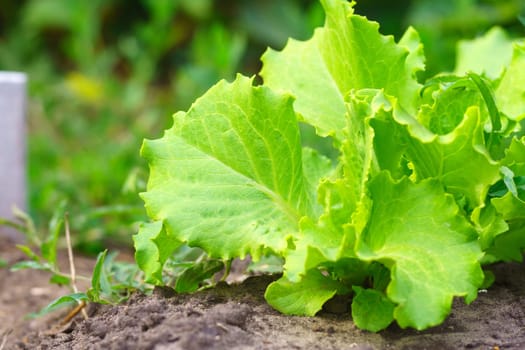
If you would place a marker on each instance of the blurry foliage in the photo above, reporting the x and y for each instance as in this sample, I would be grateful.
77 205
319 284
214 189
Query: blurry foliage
104 74
442 23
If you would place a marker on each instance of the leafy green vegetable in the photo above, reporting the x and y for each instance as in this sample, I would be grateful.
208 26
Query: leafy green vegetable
415 230
150 255
510 91
239 172
428 184
371 310
347 53
305 297
190 279
478 55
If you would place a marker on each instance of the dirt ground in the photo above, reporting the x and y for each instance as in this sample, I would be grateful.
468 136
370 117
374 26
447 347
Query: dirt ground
237 317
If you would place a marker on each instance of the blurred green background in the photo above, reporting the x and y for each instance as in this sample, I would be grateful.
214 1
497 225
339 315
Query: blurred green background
105 74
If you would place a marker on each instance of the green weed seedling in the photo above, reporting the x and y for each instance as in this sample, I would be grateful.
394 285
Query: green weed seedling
111 281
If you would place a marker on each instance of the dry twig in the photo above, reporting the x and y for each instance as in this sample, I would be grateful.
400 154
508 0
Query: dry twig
4 338
72 270
73 313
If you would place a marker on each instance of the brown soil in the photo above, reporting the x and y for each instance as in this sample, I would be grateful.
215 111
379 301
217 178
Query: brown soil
237 317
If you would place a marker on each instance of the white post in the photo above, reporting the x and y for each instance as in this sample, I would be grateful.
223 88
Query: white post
12 147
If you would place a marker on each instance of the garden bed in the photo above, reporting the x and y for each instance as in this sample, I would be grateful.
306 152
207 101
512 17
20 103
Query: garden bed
237 317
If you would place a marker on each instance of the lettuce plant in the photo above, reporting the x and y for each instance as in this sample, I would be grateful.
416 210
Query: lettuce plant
428 184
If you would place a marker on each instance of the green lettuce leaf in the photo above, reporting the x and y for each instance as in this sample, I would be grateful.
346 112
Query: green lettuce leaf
315 166
315 244
428 182
416 231
489 224
344 192
358 157
454 158
305 297
347 53
478 55
510 245
191 278
450 101
510 93
416 57
153 247
228 177
371 309
510 205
